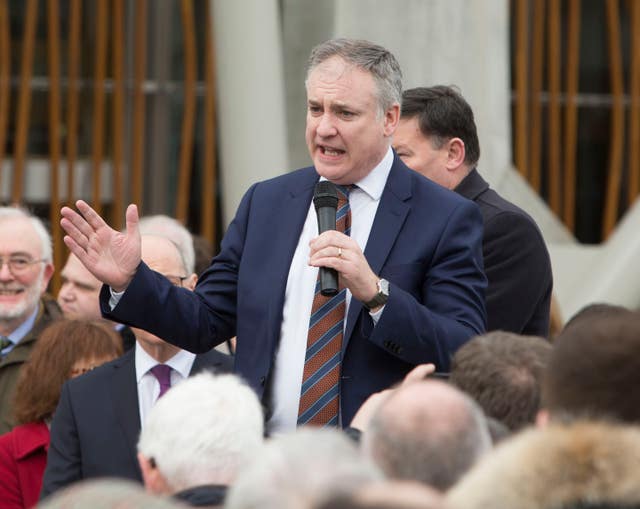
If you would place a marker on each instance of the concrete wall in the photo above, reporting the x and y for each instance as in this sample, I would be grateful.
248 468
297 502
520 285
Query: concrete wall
250 97
262 48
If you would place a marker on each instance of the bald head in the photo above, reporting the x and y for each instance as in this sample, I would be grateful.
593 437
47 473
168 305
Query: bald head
427 431
160 251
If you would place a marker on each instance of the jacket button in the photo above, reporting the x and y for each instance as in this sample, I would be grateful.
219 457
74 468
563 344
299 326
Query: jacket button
262 380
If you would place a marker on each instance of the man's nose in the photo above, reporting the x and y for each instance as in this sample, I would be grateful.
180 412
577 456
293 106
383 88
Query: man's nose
326 126
66 292
5 272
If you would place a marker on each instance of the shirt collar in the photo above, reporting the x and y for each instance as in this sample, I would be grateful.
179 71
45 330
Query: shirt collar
182 362
373 184
24 327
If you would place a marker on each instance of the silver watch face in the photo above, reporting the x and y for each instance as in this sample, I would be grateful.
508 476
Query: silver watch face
382 295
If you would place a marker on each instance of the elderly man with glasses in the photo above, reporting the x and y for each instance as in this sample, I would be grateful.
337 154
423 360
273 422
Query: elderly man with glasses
25 270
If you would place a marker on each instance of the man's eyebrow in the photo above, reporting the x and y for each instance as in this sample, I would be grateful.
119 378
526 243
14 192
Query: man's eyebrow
20 253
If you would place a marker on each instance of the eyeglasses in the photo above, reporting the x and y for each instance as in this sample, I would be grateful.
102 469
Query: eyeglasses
18 264
176 280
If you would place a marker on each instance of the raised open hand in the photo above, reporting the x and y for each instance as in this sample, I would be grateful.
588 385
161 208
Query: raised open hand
111 256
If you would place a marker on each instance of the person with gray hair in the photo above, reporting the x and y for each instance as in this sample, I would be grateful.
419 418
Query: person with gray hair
193 447
176 232
407 294
427 431
26 266
300 470
384 68
107 494
95 428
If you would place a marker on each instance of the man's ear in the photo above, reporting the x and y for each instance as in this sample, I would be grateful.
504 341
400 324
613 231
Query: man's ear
391 119
46 276
154 481
455 153
542 418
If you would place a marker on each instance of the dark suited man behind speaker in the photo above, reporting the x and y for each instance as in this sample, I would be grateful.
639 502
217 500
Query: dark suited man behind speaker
437 138
96 425
409 260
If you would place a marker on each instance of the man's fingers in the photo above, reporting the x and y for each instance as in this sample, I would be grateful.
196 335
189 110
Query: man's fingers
76 249
74 233
81 226
90 216
419 373
132 220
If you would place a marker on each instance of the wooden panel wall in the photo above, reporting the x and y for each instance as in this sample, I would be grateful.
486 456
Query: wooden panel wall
545 151
97 69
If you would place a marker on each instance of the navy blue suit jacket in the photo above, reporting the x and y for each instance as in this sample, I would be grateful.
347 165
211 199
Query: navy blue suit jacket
425 240
96 425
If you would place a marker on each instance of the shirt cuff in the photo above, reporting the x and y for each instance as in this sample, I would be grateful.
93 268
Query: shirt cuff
115 298
374 316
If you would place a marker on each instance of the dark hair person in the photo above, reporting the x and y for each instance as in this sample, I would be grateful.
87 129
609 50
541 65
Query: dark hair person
65 349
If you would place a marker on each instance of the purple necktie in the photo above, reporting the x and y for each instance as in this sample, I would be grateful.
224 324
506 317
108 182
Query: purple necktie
162 372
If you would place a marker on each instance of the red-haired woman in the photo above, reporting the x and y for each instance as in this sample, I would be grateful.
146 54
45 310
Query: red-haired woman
65 349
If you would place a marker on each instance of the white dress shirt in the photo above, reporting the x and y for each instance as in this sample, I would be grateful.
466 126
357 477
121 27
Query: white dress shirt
148 385
289 363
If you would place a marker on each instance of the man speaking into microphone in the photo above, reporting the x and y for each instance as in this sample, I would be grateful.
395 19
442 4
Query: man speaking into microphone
407 253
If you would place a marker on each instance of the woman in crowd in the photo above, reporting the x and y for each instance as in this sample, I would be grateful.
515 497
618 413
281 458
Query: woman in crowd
65 349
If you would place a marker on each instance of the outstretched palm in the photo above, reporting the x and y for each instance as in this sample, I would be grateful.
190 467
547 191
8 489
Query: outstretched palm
111 256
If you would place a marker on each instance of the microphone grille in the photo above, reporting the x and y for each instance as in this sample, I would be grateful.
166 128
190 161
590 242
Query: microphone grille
325 194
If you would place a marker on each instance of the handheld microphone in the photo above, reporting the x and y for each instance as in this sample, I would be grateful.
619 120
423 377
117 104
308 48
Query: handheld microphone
325 200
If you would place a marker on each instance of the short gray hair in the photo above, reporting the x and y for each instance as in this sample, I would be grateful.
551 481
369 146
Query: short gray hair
280 476
8 213
369 57
203 430
106 494
176 232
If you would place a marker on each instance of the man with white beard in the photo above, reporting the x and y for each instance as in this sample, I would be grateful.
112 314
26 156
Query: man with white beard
25 270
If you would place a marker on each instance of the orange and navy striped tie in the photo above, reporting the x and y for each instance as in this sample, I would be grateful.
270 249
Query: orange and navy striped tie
319 396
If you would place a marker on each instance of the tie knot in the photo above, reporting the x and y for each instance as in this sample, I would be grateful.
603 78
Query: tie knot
343 191
162 372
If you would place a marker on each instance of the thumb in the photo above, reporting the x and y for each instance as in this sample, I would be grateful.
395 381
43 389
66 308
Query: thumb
132 220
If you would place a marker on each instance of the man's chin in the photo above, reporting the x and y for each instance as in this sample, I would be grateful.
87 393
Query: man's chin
14 311
336 174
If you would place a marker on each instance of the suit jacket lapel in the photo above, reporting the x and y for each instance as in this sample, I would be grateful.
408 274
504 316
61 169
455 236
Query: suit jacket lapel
199 364
205 361
390 216
291 212
125 401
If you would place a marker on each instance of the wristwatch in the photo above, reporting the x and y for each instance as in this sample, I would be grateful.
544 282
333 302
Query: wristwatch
379 298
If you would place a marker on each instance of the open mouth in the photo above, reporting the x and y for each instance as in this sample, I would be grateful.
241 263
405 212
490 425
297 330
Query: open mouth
330 151
9 292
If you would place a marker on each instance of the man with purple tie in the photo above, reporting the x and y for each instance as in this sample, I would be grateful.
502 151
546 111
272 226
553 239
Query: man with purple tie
96 425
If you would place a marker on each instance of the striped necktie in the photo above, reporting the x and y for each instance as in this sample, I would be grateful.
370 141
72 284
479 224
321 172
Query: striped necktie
319 396
4 343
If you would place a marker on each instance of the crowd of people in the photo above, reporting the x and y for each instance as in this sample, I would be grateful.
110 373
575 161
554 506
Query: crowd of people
160 377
